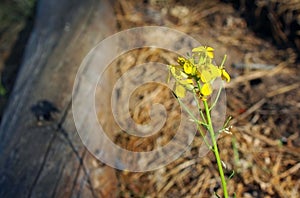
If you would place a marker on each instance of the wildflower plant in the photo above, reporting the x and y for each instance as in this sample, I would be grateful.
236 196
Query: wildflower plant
196 74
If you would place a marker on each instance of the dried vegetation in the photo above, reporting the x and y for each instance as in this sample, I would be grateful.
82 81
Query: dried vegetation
263 98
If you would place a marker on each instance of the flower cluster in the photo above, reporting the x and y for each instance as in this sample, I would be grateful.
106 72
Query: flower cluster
196 73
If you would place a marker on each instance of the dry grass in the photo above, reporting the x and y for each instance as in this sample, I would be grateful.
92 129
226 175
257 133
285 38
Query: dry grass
263 98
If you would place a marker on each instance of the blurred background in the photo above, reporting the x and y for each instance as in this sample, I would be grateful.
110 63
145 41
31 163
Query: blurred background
16 23
262 41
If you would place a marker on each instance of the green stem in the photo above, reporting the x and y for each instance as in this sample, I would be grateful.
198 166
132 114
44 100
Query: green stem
189 112
204 137
215 149
199 123
198 105
216 100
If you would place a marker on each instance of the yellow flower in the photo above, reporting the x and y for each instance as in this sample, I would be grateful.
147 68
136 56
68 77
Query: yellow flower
188 83
181 61
188 66
206 90
182 85
197 72
177 72
209 51
209 73
180 90
183 82
225 75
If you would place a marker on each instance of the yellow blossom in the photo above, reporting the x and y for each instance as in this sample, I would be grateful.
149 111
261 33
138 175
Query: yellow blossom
197 72
180 90
225 75
188 66
209 73
206 90
208 51
177 72
182 85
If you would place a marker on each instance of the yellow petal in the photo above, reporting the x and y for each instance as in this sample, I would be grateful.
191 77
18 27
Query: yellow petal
205 76
188 83
201 60
210 49
173 71
225 75
180 90
206 89
181 61
199 49
215 71
176 72
187 68
210 52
